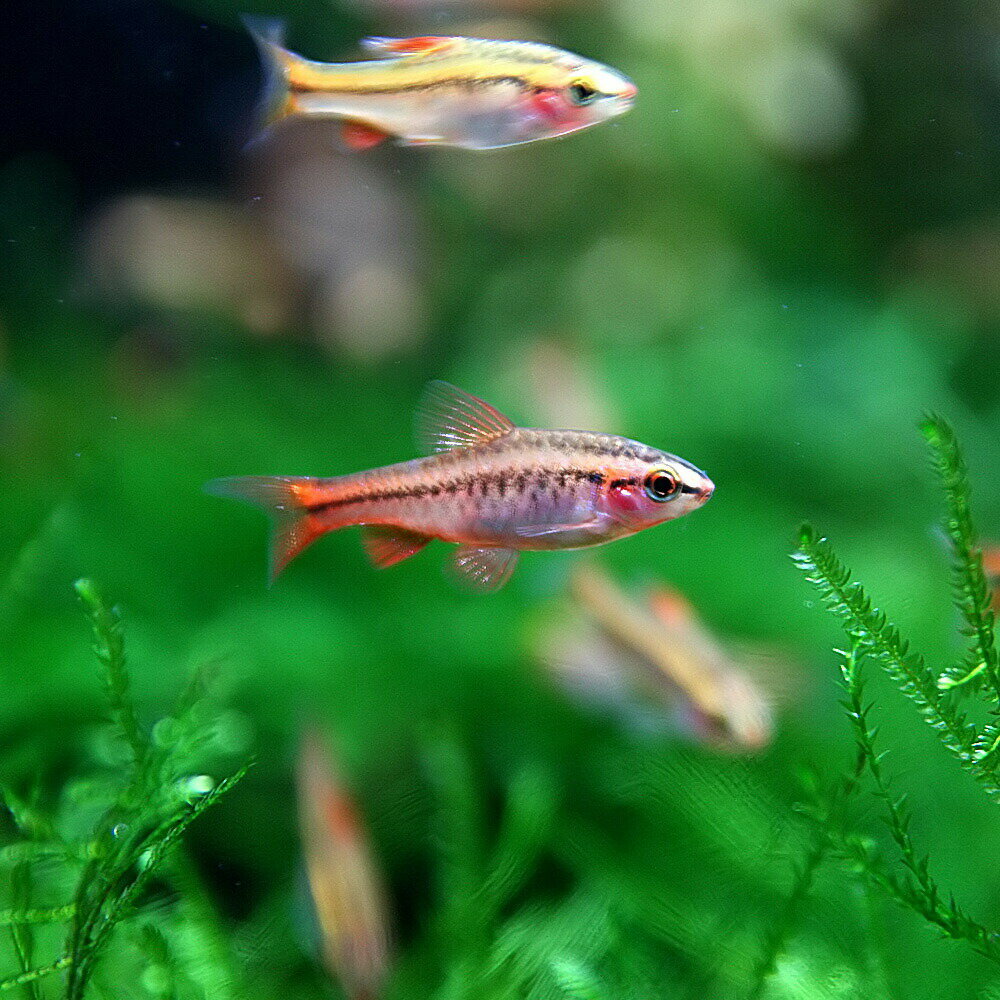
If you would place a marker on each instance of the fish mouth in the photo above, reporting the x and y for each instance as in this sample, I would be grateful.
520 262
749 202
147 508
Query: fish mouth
706 490
627 95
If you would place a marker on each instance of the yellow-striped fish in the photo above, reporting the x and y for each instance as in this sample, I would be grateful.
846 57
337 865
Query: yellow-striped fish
474 93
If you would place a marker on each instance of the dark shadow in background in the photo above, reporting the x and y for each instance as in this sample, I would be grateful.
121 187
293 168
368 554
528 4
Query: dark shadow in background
125 94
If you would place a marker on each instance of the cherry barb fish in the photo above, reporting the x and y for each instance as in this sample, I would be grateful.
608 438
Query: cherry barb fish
492 488
345 884
474 93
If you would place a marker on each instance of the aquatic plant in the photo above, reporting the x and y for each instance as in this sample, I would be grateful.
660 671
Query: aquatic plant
946 699
109 845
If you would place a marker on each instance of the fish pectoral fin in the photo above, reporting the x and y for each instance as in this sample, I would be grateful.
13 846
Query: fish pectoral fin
387 546
541 530
482 569
386 47
449 418
358 135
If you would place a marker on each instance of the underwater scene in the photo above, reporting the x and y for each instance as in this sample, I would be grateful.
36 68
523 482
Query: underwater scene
499 499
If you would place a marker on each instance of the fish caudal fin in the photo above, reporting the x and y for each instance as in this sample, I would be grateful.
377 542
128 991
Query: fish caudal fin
276 100
293 527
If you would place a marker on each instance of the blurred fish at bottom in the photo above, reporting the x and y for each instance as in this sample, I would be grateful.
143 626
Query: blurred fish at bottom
344 883
654 665
991 567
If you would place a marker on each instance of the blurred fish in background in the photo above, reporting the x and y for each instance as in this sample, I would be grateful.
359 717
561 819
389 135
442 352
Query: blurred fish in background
344 881
653 664
991 567
444 90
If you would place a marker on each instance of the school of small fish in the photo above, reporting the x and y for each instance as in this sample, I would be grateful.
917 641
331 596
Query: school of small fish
490 487
439 90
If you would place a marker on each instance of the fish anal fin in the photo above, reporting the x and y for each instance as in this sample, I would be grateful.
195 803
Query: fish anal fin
387 546
449 418
284 499
482 569
406 46
358 135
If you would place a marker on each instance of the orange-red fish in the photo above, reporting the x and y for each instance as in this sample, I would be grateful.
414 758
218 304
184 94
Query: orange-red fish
661 649
474 93
344 883
491 488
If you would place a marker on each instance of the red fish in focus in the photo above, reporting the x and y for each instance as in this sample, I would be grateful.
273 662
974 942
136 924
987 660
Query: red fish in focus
492 488
346 890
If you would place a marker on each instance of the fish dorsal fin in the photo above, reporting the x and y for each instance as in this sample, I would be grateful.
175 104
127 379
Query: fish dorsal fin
449 418
387 47
483 570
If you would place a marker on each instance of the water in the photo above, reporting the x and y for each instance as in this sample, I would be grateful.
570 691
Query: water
773 266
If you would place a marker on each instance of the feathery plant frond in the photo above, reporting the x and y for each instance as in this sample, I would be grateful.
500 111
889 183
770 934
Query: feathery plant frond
972 590
778 935
879 639
872 636
149 801
21 934
109 648
916 888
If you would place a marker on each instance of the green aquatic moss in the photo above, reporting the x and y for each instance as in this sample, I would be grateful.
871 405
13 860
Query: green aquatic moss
943 697
140 806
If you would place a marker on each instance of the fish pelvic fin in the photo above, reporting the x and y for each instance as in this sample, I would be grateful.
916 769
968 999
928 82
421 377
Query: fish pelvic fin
387 546
360 136
483 570
293 526
276 100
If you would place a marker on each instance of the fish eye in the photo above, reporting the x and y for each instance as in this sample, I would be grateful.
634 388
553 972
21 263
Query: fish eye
662 484
581 92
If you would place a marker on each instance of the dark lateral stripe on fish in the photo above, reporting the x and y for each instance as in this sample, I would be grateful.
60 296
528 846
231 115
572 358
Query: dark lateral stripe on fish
500 481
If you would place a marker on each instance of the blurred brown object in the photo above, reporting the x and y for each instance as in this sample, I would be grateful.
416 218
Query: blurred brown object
565 393
961 260
346 888
660 651
189 254
350 233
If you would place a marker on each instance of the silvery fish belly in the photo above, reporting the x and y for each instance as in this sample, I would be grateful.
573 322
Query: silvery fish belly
447 115
490 487
446 90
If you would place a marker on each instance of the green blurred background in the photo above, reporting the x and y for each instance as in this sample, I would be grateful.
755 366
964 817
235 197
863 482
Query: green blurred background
786 253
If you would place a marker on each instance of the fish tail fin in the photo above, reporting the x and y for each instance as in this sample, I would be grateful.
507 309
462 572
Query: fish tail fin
293 525
276 99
